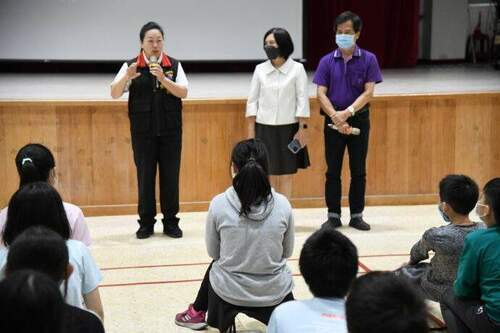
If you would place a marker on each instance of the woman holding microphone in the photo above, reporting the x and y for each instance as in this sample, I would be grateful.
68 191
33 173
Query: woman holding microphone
157 84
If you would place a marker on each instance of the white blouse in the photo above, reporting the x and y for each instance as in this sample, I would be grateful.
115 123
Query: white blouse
278 95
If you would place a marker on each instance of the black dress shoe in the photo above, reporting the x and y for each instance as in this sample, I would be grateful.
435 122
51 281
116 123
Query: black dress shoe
332 222
359 223
145 231
171 228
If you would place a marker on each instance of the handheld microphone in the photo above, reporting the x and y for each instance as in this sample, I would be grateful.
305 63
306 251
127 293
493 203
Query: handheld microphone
355 131
153 61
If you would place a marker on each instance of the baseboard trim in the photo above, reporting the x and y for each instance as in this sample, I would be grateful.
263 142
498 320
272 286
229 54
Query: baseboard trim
315 202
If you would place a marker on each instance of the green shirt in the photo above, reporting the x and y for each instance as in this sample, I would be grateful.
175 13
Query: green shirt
478 275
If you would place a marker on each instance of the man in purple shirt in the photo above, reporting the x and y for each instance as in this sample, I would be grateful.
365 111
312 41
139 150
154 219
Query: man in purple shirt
346 81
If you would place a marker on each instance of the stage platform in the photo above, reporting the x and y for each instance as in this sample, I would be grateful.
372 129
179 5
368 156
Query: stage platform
425 123
420 80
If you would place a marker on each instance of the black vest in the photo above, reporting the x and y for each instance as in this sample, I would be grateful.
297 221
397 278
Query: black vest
154 111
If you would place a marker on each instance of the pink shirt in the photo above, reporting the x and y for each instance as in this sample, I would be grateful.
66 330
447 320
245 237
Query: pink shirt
79 229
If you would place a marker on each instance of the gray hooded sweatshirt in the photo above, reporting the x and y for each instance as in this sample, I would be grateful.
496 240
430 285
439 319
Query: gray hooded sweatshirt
250 253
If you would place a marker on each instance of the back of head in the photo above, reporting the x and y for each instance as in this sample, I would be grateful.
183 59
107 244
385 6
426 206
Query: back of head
30 302
34 163
492 197
251 182
460 192
383 302
329 263
35 204
39 249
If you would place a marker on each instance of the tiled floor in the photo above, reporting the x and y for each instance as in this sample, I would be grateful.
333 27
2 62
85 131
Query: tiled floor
429 79
146 282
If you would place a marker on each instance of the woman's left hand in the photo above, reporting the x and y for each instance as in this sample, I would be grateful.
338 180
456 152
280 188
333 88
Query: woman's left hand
157 71
302 136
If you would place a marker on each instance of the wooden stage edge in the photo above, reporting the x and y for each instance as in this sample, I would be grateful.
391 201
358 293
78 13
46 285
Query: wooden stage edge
415 140
239 100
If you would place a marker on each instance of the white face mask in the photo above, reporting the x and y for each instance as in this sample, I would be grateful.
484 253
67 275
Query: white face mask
482 210
233 173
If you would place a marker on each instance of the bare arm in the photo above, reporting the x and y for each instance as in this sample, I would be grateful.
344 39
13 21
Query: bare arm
358 104
324 101
176 89
251 127
118 87
365 97
93 302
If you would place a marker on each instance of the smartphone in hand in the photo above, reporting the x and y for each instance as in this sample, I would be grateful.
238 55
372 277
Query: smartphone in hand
294 146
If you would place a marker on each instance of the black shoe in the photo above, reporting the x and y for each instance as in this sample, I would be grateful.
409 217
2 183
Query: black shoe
359 223
145 231
171 228
333 222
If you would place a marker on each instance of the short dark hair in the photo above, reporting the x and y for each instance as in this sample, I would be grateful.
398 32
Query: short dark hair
30 300
34 162
357 23
283 39
41 250
460 192
150 26
383 302
329 263
251 183
34 204
492 196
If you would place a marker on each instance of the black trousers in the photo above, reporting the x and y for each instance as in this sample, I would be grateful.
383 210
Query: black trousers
357 148
163 152
466 316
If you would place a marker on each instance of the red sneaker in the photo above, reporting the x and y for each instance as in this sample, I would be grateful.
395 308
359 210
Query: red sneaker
191 318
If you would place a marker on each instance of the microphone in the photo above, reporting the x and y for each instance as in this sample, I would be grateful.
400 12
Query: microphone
355 131
153 61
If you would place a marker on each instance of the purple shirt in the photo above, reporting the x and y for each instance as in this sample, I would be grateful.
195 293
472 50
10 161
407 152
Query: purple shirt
346 80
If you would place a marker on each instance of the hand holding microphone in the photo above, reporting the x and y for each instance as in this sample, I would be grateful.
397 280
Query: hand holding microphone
354 130
339 119
156 70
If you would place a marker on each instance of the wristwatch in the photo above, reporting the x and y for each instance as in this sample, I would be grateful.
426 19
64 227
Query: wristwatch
351 110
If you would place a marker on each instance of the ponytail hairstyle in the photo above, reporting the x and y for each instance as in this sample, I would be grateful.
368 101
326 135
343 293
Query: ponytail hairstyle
251 182
34 162
35 204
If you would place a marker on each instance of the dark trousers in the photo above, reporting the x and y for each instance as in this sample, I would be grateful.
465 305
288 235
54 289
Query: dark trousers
357 148
466 316
164 152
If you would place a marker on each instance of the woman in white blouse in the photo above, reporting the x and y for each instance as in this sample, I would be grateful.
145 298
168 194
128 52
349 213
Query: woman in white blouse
278 109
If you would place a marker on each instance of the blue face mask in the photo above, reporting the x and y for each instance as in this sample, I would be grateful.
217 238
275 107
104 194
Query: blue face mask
344 41
445 217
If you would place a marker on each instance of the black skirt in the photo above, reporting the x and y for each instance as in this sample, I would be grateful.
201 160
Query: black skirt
276 138
221 314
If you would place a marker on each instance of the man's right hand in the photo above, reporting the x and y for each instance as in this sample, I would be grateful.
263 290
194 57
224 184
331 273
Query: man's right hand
345 129
132 72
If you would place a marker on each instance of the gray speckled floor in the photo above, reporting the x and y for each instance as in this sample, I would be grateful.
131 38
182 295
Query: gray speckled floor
419 80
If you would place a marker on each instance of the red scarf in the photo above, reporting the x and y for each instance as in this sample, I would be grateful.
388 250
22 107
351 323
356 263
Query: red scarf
141 60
